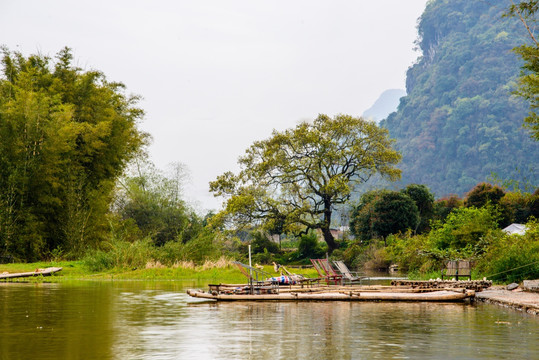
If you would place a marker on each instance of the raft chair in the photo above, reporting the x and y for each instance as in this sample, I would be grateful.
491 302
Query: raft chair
258 279
256 275
346 273
457 268
326 272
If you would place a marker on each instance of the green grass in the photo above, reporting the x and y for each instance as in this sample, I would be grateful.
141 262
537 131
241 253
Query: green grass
76 270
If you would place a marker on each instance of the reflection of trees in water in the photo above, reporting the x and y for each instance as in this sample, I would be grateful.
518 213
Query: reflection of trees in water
55 321
138 320
339 330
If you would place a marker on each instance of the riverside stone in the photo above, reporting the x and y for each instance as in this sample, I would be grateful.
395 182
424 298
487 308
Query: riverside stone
512 286
531 285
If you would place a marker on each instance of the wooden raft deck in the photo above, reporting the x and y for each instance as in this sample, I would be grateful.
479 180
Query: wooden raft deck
449 295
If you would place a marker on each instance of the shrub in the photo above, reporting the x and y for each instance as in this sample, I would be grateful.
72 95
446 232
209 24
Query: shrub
261 244
97 260
376 257
413 253
309 247
463 227
351 255
264 257
444 206
206 246
120 254
512 258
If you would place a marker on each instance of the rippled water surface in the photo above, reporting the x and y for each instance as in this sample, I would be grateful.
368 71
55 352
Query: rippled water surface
157 320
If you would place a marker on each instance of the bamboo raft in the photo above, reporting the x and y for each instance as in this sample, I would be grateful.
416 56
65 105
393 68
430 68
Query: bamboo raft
333 293
38 272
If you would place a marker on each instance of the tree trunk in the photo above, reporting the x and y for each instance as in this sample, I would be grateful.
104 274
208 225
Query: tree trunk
330 240
328 236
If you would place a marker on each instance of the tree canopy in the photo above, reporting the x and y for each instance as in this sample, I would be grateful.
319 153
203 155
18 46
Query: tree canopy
384 212
67 135
295 178
424 201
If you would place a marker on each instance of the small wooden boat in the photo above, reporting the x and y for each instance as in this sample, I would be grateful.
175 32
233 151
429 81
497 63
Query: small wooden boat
38 272
447 295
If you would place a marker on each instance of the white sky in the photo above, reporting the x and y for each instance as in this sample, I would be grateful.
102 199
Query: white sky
217 75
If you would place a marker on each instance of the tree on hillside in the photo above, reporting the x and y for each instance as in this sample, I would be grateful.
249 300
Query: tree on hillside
526 11
298 176
483 194
66 137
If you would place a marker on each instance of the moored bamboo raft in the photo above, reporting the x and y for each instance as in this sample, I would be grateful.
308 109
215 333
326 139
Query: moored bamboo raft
38 272
448 295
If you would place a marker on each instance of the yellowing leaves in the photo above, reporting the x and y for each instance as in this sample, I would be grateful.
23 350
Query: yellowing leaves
299 175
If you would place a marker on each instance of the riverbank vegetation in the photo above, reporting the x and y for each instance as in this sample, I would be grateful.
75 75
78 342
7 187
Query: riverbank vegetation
220 271
468 228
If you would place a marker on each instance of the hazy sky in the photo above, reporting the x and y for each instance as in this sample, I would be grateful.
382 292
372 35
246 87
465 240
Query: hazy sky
217 75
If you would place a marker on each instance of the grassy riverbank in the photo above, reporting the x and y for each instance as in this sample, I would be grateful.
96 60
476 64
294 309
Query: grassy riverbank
76 270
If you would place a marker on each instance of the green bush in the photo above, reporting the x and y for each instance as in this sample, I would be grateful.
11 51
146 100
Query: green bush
351 256
120 254
376 257
264 257
206 246
98 260
169 253
310 248
261 244
463 227
511 258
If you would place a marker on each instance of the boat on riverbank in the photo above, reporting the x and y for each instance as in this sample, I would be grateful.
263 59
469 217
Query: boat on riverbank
38 272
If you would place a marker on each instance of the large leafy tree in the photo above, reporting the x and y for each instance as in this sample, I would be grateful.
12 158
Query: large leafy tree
297 177
66 137
526 11
381 213
424 201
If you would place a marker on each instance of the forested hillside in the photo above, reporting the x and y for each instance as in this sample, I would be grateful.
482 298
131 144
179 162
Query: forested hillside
459 123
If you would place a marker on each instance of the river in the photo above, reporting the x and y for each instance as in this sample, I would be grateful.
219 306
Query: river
157 320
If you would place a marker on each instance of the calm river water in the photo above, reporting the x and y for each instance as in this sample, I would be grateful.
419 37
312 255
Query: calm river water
157 320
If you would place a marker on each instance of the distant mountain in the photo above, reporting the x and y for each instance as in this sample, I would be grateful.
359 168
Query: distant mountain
384 105
459 123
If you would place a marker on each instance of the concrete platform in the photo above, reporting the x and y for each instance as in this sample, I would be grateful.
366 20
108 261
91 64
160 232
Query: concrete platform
524 301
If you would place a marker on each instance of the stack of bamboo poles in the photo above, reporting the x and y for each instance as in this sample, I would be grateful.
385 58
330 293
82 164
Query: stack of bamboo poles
477 285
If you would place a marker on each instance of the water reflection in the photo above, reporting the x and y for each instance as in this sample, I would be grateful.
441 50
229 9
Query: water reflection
53 321
139 320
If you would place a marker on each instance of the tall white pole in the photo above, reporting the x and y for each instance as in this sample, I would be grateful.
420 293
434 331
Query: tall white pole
250 271
250 265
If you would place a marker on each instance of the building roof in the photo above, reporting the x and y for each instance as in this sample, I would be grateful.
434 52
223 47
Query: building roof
519 229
